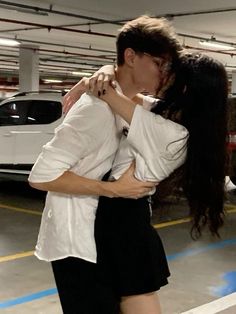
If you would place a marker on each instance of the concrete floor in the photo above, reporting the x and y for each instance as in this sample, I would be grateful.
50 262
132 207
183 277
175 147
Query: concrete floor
202 271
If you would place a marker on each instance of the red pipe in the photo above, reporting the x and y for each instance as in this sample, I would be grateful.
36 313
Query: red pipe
49 27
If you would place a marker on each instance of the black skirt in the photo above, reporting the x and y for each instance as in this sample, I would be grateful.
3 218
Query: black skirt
130 254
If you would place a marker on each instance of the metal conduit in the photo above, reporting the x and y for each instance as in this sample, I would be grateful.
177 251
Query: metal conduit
62 45
116 22
49 27
51 10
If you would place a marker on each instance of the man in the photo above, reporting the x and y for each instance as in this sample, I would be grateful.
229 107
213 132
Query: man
72 164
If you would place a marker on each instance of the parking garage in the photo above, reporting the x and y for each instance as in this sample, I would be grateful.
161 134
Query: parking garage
57 45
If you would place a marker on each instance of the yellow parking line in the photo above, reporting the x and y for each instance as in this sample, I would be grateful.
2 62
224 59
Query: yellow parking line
15 256
23 210
229 209
171 223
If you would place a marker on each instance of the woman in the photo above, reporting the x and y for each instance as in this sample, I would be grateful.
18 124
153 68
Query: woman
134 260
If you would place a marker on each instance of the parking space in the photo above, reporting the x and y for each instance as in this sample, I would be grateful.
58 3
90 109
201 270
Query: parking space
49 46
202 271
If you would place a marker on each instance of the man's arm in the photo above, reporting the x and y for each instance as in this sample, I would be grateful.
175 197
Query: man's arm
101 79
70 183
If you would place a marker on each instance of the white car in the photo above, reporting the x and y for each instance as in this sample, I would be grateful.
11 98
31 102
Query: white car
27 122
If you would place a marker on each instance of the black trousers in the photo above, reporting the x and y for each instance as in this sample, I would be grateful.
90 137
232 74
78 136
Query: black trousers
80 291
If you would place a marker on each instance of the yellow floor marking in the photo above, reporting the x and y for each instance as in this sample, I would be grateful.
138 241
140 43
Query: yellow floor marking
23 210
229 209
15 256
171 223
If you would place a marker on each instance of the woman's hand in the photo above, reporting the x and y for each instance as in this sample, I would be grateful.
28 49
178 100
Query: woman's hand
100 79
129 187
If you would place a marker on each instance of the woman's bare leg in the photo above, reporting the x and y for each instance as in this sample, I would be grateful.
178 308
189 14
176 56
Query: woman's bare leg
141 304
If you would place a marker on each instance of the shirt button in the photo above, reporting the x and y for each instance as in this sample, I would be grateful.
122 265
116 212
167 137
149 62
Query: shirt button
49 213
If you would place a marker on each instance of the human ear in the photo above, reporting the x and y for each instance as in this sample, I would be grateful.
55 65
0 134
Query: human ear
129 56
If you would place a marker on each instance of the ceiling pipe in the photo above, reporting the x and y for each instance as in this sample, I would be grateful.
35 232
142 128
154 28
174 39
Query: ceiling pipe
116 22
104 21
51 10
62 45
112 58
66 67
70 54
67 53
205 38
91 65
170 16
210 50
49 27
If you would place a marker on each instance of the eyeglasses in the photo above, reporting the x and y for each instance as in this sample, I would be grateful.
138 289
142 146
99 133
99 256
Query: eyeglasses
163 64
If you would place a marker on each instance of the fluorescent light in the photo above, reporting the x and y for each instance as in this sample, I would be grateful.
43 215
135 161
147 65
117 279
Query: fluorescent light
82 73
212 43
52 81
9 42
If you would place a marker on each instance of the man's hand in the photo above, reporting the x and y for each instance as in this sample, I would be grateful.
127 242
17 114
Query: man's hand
129 187
74 94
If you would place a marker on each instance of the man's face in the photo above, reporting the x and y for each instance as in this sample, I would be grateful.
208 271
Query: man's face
149 72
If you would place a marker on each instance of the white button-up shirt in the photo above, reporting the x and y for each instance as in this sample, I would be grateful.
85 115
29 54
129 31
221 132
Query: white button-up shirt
85 143
158 146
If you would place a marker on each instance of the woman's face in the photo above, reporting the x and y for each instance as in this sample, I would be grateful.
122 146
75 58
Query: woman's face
149 72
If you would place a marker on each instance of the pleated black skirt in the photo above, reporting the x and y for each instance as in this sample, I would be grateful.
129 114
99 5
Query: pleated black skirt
130 254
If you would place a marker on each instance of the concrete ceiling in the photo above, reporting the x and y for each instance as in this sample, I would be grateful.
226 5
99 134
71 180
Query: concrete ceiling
79 35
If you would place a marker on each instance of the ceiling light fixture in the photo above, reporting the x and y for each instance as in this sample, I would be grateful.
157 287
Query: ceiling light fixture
213 43
52 81
82 73
9 42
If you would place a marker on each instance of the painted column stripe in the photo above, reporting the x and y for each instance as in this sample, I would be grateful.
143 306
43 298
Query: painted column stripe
216 306
28 298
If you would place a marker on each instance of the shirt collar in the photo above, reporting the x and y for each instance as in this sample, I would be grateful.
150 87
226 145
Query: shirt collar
118 88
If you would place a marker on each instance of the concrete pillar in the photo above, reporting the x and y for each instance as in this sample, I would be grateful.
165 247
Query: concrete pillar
28 69
233 86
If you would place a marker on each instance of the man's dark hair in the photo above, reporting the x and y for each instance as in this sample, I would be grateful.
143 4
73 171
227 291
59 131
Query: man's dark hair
155 36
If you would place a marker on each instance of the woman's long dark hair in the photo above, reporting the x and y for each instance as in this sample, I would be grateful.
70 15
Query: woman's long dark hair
198 100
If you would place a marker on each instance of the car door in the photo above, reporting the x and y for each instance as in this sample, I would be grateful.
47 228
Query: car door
9 120
43 116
